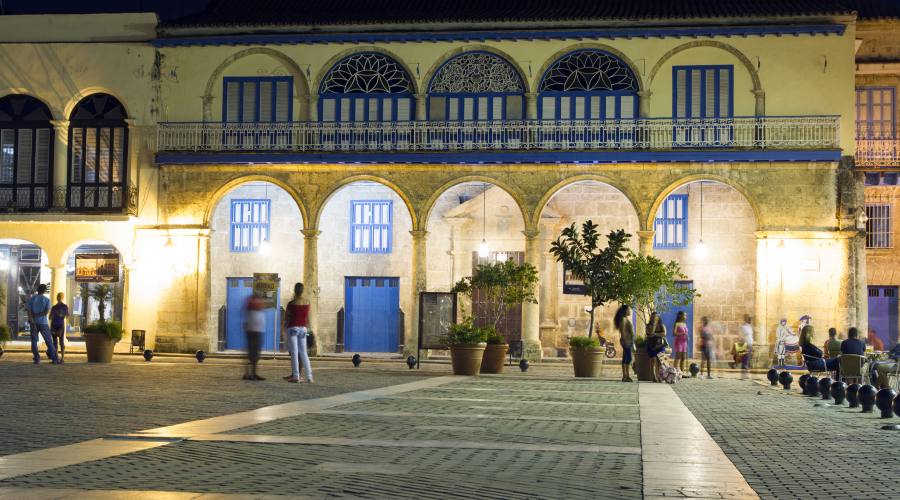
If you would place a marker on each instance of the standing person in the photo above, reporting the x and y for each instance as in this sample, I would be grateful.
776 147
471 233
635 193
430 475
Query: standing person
59 313
295 321
656 343
38 306
626 339
747 335
254 326
707 346
680 330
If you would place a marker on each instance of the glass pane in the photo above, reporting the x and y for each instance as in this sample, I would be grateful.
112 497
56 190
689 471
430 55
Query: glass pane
90 155
579 108
42 155
387 110
359 110
403 109
436 109
7 167
26 155
548 108
77 154
373 110
104 160
328 108
565 107
118 171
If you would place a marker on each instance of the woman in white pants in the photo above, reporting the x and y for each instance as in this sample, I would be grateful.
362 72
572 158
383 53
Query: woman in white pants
295 321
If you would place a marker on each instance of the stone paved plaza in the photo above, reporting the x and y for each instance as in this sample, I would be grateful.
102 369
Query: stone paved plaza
177 429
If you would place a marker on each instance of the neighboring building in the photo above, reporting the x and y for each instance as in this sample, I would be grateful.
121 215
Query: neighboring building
371 152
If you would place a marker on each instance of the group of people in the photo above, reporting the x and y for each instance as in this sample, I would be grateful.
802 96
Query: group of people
47 322
828 357
294 322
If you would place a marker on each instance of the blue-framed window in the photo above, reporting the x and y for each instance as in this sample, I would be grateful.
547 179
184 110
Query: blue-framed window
671 224
366 87
249 224
257 99
588 85
371 226
476 86
703 91
876 112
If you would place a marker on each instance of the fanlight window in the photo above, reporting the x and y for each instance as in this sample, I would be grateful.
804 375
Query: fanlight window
476 86
98 142
588 85
366 87
26 153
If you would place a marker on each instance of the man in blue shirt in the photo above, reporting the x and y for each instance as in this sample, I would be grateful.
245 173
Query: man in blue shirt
853 345
38 307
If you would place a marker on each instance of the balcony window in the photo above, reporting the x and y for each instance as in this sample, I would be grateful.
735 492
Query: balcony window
367 87
875 113
249 224
370 226
98 142
26 154
702 105
670 227
476 86
257 99
588 85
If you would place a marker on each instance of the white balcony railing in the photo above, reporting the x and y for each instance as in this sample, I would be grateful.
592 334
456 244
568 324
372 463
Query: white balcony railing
799 132
878 153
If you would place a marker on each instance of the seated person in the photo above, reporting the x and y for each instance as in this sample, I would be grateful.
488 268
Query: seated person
853 345
875 341
815 360
832 346
739 352
881 369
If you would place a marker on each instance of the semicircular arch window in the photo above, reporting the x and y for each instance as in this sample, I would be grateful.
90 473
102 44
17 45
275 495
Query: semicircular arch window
98 139
366 87
588 85
476 86
26 154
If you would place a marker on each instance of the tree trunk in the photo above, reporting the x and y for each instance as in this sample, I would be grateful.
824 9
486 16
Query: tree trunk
591 325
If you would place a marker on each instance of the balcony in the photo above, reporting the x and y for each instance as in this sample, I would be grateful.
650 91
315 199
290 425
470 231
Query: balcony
105 200
645 134
878 153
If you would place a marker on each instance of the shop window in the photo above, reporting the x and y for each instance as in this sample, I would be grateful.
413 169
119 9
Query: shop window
249 224
370 226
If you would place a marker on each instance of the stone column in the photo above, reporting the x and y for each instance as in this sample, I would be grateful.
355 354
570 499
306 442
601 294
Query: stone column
531 313
58 283
644 103
550 289
760 108
312 108
419 284
60 161
421 107
645 242
311 276
531 106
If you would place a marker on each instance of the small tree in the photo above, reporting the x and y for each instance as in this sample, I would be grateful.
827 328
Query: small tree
597 267
645 279
102 293
503 284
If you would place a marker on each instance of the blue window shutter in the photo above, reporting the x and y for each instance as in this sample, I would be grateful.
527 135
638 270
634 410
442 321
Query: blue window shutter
257 99
703 91
671 223
371 226
250 224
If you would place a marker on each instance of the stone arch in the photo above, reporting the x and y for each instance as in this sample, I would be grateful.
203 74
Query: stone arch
87 92
754 74
334 188
511 191
587 46
331 62
301 85
568 181
54 111
429 75
216 196
74 246
649 217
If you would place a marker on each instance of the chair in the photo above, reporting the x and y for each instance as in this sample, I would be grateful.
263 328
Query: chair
137 340
852 368
894 378
807 358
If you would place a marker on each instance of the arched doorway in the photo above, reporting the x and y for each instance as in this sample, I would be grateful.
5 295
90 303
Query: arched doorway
95 286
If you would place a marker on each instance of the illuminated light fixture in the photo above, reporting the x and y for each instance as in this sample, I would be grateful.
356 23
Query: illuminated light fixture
502 256
169 243
701 250
264 248
4 263
483 249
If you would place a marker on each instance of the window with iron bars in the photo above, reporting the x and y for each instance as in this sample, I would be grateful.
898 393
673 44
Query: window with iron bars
878 226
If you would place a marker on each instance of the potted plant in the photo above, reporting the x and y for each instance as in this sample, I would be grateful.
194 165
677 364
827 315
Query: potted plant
467 344
503 285
100 340
587 356
642 365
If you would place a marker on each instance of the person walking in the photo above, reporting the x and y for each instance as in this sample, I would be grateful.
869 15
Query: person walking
254 326
707 346
38 307
623 323
59 313
295 321
656 342
680 330
747 336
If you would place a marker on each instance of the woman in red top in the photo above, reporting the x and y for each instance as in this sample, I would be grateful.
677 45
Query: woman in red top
295 322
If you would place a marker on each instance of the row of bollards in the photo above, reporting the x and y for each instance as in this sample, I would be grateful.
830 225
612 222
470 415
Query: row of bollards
857 395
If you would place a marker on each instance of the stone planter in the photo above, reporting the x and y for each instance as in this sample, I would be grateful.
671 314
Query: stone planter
587 362
642 364
466 358
99 347
494 357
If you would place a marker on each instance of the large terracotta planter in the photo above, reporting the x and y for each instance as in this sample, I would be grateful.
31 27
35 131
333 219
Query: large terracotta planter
642 364
466 359
99 347
587 362
494 358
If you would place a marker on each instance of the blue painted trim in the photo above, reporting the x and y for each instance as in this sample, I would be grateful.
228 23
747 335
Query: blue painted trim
484 36
374 204
579 51
618 94
241 80
662 223
481 157
460 104
393 98
235 203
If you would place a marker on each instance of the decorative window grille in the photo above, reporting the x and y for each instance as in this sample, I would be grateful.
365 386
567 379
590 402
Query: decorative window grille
588 85
257 99
370 226
875 113
671 224
249 224
98 138
476 86
878 226
26 152
367 87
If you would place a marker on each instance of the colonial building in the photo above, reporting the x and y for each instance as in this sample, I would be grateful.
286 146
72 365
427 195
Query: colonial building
374 150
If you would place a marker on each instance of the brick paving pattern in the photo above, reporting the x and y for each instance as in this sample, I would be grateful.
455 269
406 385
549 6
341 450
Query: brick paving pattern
788 448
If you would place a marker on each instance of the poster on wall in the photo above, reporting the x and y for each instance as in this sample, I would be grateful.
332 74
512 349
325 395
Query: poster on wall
265 287
437 311
573 285
97 267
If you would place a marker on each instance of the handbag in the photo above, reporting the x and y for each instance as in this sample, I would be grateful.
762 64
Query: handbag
310 340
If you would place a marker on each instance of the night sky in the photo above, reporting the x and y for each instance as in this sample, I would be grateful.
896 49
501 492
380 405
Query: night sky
166 9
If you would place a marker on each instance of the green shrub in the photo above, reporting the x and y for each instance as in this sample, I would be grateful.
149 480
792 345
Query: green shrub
4 334
112 329
466 333
492 336
582 342
640 341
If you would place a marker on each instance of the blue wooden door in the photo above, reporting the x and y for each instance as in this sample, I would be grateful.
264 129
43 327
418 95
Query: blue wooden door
238 291
668 317
371 314
883 313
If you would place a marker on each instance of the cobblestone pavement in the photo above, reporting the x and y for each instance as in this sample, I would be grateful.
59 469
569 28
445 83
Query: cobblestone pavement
786 447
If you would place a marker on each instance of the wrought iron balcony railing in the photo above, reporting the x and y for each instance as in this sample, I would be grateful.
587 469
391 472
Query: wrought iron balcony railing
71 199
785 132
875 153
